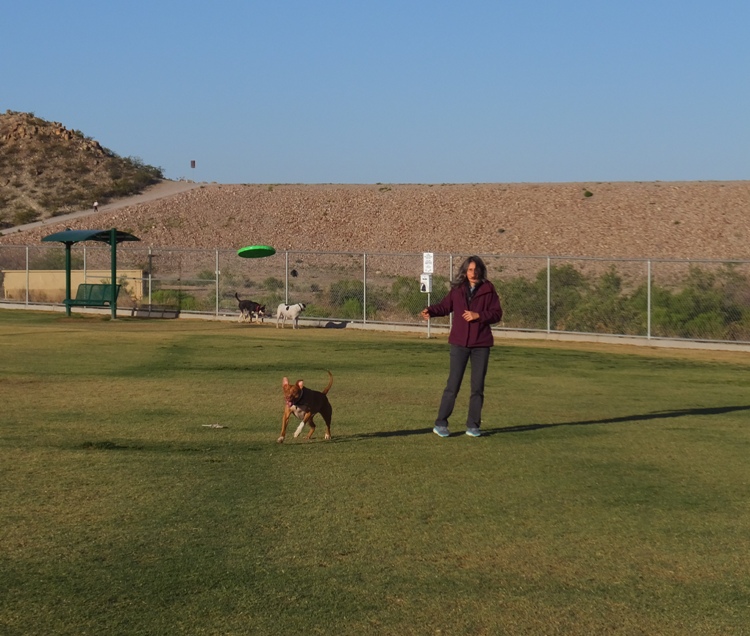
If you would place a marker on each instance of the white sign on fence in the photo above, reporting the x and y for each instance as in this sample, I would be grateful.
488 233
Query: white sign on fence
427 262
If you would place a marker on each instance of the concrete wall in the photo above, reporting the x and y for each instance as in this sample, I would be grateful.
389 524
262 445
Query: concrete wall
49 285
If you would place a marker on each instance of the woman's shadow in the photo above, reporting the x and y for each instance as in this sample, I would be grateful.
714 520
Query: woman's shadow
640 417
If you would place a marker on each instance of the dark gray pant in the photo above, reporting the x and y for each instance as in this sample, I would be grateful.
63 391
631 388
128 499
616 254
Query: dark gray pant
460 356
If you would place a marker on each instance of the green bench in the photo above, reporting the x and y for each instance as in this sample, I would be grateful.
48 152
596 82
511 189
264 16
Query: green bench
93 295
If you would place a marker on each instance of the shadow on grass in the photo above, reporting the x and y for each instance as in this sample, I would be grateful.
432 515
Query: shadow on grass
641 417
486 432
209 448
382 434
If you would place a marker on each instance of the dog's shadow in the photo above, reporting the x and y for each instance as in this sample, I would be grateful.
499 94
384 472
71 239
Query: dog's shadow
522 428
335 324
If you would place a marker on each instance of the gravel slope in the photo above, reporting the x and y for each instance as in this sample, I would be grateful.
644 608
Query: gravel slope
631 220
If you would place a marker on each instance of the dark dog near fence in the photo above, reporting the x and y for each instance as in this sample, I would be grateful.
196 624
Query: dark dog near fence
249 308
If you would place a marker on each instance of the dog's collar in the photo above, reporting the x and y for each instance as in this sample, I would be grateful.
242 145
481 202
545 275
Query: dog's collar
299 399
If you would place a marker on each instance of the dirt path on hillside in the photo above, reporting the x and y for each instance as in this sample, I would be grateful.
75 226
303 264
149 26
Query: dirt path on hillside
159 191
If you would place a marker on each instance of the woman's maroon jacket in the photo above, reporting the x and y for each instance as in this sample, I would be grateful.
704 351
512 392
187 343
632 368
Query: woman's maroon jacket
485 302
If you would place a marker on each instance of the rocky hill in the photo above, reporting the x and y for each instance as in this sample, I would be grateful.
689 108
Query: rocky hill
630 220
48 170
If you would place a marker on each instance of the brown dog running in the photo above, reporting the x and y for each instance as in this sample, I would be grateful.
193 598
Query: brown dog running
305 404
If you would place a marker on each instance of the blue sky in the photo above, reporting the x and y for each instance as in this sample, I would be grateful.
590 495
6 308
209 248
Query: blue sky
359 91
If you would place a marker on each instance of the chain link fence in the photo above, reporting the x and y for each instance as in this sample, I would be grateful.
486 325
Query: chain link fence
649 298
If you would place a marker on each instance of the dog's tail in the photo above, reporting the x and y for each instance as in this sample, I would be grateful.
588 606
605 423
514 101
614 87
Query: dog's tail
330 383
237 297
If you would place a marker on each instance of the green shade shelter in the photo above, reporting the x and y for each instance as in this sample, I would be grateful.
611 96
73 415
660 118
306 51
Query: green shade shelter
112 237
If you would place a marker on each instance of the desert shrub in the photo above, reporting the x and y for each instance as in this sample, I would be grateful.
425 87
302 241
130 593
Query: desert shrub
227 278
55 259
604 308
272 284
25 215
345 298
314 310
271 301
143 169
405 292
567 287
174 298
705 305
115 171
709 305
740 329
352 309
206 276
342 291
525 302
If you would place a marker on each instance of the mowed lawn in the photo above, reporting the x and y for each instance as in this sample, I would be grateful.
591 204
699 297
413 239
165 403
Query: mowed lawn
610 494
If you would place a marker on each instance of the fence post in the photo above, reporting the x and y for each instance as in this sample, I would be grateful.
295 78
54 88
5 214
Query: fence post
549 296
217 273
286 277
364 288
428 319
150 273
648 299
28 276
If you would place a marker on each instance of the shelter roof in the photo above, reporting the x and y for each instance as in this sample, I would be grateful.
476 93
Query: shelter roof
103 236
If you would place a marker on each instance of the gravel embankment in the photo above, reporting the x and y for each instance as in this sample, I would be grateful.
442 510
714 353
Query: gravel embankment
700 220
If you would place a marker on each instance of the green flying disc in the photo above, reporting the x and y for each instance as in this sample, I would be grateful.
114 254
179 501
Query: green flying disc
256 251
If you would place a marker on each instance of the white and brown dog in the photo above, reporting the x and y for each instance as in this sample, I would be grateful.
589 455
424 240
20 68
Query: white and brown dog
289 312
249 308
305 404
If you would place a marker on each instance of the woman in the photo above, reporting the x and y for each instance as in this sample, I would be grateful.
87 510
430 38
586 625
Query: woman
475 306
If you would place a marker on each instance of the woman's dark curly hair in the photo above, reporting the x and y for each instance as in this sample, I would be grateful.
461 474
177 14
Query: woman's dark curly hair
479 266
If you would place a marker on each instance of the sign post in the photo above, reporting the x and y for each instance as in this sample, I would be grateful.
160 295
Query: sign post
425 280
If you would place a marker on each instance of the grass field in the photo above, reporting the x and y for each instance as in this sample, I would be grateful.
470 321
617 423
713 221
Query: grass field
610 494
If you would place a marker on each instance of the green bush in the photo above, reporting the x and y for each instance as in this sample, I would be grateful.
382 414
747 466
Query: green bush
344 290
352 310
524 303
706 305
405 293
605 308
25 215
314 310
55 259
272 284
709 305
174 298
